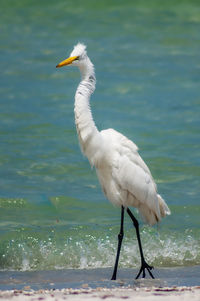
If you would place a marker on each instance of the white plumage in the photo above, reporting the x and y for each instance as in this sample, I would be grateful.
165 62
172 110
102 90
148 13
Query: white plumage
124 177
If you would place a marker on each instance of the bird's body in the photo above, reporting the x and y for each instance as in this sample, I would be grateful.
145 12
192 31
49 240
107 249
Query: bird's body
124 177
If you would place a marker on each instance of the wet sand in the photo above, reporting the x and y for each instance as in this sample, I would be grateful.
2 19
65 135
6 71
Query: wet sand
170 284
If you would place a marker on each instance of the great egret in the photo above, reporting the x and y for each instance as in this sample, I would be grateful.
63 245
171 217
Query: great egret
124 177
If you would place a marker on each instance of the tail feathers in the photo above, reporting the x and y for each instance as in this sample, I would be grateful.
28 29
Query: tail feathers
164 209
151 216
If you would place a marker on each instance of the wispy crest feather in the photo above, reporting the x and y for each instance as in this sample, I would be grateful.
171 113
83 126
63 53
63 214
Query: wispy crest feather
79 50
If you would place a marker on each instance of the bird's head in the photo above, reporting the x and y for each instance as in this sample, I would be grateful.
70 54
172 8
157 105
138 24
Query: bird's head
77 56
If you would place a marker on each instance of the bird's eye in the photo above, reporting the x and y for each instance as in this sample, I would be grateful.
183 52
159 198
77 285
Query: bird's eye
77 58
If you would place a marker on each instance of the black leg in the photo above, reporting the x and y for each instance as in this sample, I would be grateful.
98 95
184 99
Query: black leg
120 238
144 265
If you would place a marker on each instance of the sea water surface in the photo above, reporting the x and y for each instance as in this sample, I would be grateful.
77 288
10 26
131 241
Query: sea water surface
53 214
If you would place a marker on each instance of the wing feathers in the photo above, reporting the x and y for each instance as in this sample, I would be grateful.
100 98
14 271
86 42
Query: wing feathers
133 178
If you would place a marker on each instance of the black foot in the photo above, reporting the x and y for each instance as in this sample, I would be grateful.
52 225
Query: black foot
142 270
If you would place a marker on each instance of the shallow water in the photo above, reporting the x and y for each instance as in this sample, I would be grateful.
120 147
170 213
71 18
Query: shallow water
94 278
53 214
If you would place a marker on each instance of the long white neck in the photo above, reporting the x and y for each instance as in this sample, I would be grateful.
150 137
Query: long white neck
89 136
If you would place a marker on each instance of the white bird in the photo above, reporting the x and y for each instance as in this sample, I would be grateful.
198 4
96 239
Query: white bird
124 177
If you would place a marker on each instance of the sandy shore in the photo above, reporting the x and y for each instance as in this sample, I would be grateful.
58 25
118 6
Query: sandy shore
136 294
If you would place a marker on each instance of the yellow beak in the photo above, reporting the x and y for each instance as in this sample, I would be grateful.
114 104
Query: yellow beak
67 61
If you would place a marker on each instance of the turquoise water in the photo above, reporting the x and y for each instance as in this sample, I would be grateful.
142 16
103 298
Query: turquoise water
146 53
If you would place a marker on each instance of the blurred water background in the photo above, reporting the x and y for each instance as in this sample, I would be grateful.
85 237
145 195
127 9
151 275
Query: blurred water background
53 214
